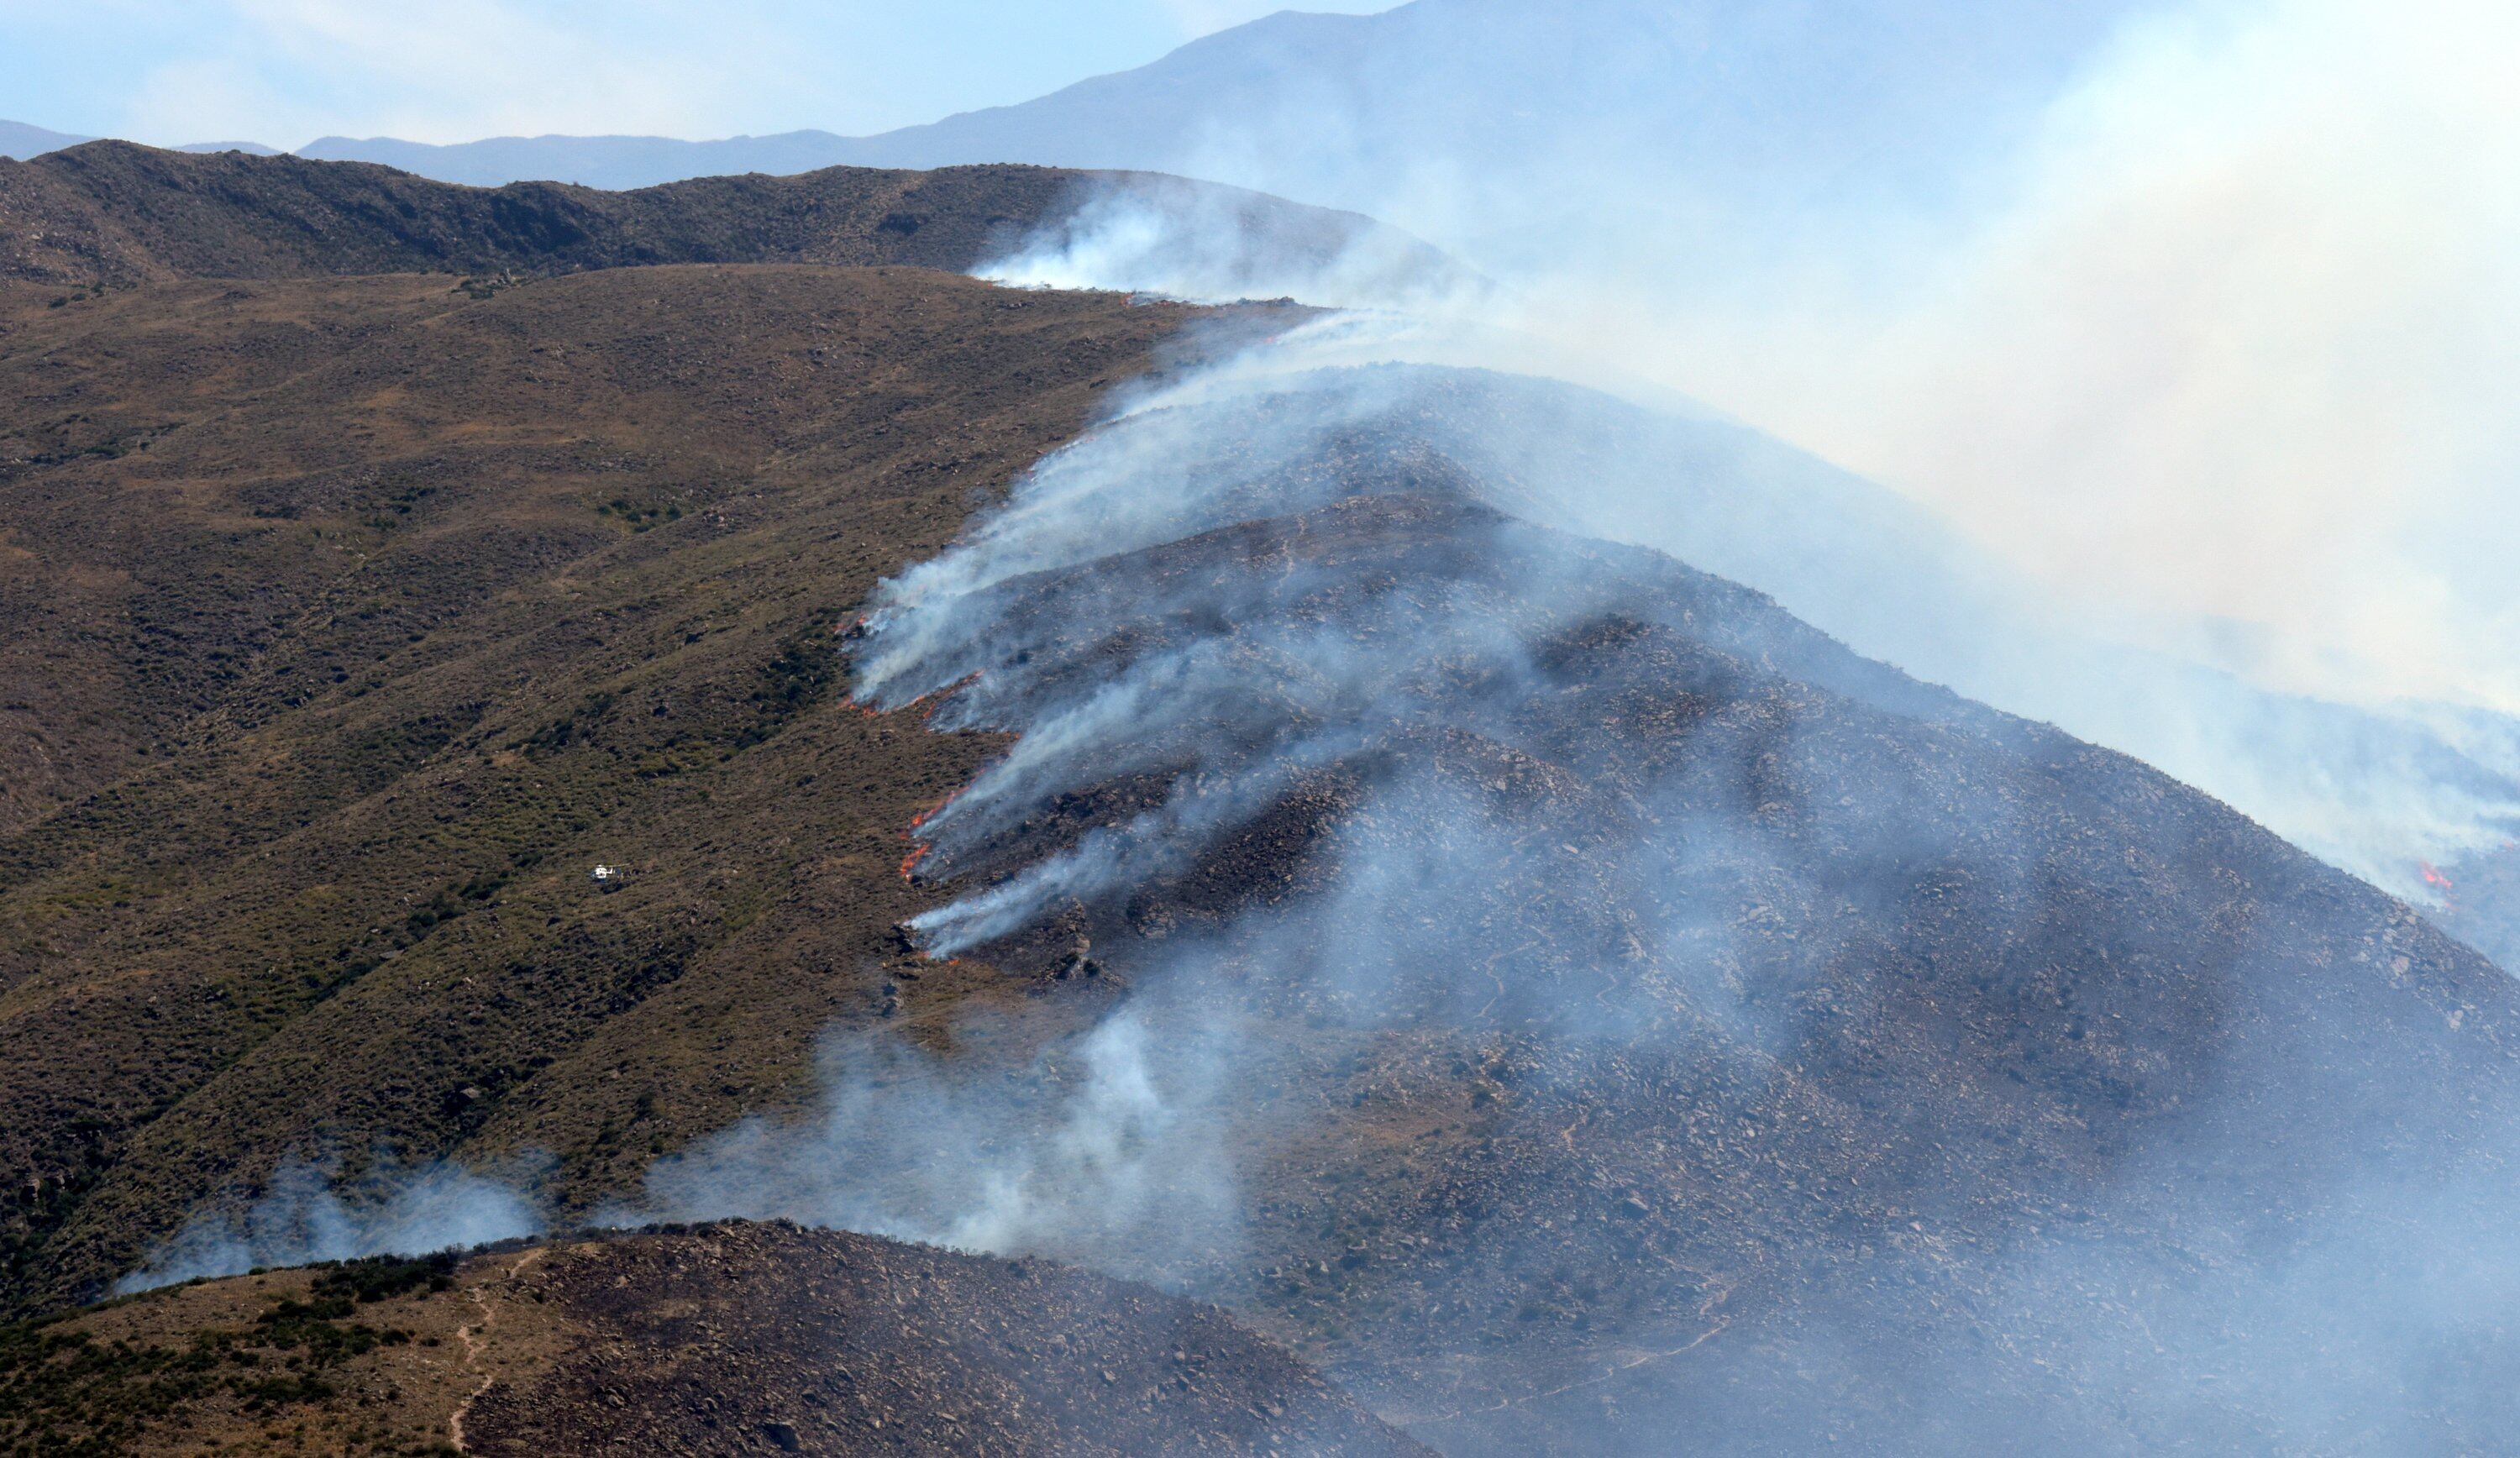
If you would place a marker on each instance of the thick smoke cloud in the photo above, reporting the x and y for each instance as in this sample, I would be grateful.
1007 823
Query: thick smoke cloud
2372 781
2194 319
2187 306
2386 793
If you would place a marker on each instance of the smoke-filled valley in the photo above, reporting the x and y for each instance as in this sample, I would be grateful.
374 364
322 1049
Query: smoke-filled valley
1371 875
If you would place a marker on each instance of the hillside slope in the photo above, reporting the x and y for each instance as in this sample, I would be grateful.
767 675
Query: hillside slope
348 625
1548 987
113 214
735 1337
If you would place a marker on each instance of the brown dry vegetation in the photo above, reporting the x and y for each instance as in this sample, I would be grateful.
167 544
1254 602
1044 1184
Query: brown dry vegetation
348 624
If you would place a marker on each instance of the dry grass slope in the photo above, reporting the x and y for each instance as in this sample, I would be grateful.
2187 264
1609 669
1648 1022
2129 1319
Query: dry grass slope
350 623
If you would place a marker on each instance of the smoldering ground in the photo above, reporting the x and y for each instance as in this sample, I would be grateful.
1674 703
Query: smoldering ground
2381 792
1081 1149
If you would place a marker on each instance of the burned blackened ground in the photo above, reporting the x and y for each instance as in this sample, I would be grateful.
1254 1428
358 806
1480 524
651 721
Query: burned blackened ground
1644 1009
746 1338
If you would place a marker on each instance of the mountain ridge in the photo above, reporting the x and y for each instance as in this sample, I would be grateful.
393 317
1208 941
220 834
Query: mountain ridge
21 142
114 212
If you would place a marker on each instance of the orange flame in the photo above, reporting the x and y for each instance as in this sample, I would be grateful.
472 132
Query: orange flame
2436 880
918 851
933 811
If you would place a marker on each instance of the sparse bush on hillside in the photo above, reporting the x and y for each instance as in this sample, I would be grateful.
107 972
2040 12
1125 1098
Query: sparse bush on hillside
63 1392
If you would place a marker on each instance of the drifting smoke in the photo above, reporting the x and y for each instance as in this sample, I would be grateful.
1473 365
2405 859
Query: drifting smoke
303 1216
2377 792
1162 236
1077 1152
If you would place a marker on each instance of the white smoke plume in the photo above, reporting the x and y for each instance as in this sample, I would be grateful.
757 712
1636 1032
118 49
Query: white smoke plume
303 1216
2180 332
1087 1150
2180 351
1199 596
1157 236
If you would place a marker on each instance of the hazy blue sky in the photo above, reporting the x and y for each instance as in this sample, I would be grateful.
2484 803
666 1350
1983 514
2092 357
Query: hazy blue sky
286 72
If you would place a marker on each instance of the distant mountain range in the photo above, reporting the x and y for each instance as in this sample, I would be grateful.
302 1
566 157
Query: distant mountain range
1768 101
19 142
1113 117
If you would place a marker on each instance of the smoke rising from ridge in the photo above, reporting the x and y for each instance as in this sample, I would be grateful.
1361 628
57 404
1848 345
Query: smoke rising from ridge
302 1216
1074 1152
1577 955
1339 637
2181 325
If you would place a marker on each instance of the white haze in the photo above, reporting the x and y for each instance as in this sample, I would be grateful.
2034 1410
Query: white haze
2208 308
2241 342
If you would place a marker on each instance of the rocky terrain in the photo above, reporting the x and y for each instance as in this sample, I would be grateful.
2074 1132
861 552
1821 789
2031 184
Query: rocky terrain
735 1338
